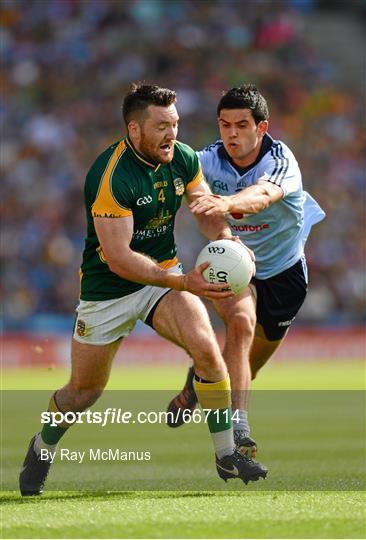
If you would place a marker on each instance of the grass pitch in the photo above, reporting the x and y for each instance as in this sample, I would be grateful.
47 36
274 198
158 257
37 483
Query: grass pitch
305 375
186 515
305 496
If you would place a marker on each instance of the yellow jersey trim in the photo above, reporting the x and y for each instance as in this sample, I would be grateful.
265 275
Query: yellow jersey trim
196 180
105 204
168 263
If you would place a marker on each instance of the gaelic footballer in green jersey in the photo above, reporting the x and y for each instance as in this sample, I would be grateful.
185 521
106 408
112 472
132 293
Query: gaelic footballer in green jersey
121 182
132 194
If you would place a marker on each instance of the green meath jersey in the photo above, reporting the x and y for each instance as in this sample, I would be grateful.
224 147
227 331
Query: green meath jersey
121 183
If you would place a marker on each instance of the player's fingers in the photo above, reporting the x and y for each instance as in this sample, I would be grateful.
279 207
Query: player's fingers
205 205
217 287
215 295
237 240
197 201
233 239
213 210
196 210
201 267
251 253
200 208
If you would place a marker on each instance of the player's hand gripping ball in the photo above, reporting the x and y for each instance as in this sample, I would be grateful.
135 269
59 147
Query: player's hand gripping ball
230 262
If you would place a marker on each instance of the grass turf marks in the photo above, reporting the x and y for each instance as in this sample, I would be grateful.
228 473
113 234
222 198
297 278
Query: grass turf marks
185 515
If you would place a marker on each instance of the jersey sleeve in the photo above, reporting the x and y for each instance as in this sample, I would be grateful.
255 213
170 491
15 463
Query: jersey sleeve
113 199
281 168
198 177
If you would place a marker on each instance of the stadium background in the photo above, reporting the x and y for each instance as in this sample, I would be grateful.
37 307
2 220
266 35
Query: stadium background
65 67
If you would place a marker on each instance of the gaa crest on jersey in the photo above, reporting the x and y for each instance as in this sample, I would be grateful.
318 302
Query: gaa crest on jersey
80 328
179 186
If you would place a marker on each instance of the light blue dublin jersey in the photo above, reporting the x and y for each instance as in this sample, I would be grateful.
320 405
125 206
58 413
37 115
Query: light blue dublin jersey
277 235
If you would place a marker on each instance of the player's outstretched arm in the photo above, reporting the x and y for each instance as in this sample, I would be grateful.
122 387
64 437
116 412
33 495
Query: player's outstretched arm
215 226
250 200
115 236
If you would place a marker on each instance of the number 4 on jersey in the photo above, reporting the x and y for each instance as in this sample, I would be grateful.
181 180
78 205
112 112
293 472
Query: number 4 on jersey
161 196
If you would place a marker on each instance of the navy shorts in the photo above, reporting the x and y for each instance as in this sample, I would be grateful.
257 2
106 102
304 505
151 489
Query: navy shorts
279 298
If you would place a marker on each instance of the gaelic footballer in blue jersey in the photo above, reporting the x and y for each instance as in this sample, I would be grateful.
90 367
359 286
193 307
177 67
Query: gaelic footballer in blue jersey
256 184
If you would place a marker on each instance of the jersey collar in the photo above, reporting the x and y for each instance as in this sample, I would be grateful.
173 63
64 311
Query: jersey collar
265 147
140 157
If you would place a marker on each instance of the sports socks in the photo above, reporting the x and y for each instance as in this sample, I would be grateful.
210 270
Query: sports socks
240 423
50 435
216 396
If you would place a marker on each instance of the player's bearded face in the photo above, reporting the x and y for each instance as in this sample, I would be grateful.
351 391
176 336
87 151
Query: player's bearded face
158 134
241 136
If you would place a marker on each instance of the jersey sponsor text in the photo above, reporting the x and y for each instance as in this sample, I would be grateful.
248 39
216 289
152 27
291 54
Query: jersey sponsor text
250 228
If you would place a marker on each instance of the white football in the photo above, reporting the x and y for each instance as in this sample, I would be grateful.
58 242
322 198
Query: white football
229 262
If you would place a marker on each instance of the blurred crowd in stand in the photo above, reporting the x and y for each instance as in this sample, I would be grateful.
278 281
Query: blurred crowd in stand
65 67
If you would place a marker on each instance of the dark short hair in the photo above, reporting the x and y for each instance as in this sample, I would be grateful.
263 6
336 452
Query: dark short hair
140 96
246 96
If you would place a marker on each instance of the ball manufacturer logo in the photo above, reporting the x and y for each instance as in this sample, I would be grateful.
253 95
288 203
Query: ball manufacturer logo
221 276
217 277
144 200
218 250
211 275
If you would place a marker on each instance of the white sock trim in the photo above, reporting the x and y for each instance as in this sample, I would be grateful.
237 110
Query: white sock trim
223 442
39 445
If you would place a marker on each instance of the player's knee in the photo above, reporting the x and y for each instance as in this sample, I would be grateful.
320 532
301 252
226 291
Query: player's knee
203 346
241 326
207 352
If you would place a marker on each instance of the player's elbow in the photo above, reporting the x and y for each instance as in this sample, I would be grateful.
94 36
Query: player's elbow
260 204
113 265
117 265
265 199
117 259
